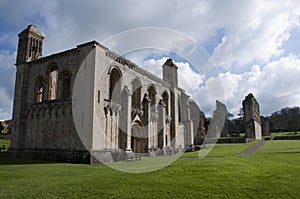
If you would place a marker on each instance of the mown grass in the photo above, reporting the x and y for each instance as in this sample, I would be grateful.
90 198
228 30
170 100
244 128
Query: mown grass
273 171
285 134
4 144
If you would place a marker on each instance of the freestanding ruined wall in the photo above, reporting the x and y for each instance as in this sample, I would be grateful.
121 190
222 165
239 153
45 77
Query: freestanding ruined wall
265 126
252 118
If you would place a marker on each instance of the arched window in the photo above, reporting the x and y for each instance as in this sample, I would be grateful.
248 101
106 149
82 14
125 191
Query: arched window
165 97
152 94
66 85
136 93
53 76
40 90
179 110
115 85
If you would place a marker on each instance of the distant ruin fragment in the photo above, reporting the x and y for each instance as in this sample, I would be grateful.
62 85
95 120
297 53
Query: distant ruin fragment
252 118
265 126
216 125
198 118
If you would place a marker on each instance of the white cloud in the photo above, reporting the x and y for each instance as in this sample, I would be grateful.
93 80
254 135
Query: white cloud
188 79
279 83
154 66
260 36
275 86
7 71
5 105
254 33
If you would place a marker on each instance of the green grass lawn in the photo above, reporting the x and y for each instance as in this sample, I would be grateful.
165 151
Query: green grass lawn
285 134
6 142
273 171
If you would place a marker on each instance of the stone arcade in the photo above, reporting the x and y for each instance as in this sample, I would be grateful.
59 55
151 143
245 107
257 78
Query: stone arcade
127 109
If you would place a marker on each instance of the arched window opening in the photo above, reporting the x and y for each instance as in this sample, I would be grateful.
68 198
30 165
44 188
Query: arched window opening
115 85
179 111
66 86
136 93
152 94
40 90
166 101
53 76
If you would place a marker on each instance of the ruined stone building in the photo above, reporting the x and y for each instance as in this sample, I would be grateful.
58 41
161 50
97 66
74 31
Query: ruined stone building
252 118
198 119
216 125
88 104
265 126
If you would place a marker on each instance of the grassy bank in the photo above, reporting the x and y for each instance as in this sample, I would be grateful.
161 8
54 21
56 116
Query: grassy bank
271 172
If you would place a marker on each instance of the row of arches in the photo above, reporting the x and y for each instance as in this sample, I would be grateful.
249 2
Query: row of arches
57 84
136 98
53 111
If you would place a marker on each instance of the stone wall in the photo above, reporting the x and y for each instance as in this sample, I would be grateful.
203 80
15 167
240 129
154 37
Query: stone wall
265 126
198 119
252 118
90 121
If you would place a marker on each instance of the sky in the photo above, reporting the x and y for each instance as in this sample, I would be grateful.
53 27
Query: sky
254 45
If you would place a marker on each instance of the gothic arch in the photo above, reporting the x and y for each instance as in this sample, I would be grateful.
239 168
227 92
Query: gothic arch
32 113
28 112
136 93
53 80
46 113
68 111
39 113
65 84
165 97
114 68
139 141
115 84
152 95
39 89
59 111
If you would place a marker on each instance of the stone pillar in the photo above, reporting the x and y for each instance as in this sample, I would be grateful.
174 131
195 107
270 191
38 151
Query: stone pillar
252 118
189 127
115 131
126 120
106 112
174 112
146 118
161 124
112 123
265 126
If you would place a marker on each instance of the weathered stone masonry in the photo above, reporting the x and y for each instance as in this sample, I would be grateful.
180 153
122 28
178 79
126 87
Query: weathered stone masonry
252 118
127 108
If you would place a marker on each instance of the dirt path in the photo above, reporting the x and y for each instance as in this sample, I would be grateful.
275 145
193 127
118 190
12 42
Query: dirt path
252 149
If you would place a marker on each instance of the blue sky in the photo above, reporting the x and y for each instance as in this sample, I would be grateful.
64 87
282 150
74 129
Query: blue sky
254 44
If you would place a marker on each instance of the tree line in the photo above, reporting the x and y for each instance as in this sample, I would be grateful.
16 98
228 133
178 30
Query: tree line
285 120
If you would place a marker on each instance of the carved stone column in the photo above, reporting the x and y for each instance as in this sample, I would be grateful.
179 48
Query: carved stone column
161 124
146 118
125 122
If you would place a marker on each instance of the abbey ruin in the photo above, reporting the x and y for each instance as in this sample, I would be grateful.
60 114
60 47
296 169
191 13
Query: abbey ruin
89 104
127 109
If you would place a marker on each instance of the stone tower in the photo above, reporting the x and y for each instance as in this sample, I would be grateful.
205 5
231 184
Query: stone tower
252 118
29 48
30 44
170 73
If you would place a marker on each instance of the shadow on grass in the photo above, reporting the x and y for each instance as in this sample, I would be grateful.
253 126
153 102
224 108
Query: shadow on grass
281 152
5 160
208 156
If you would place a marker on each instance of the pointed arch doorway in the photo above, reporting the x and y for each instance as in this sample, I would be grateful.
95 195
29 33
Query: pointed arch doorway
139 141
